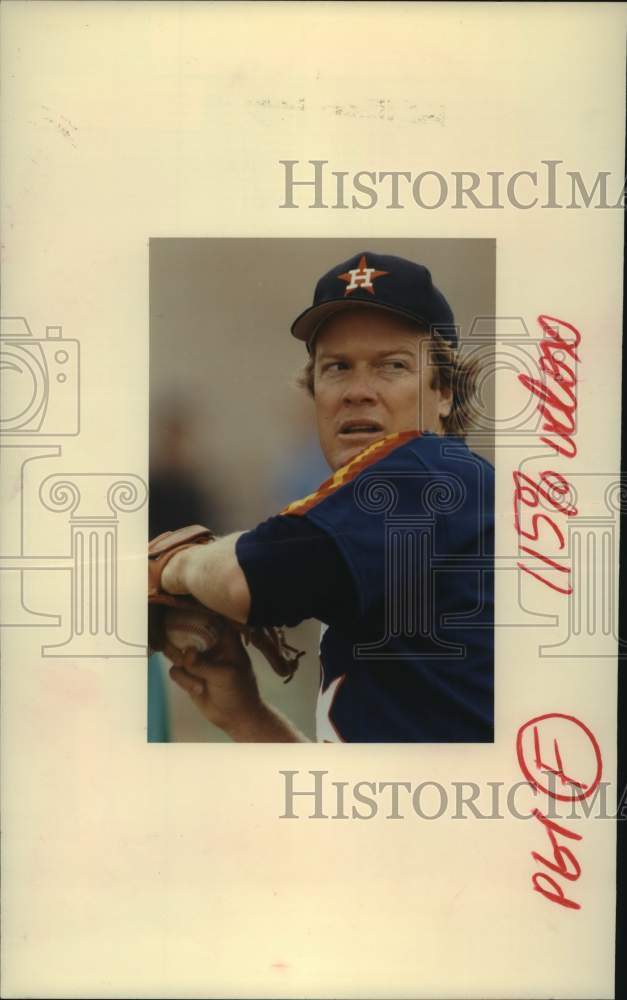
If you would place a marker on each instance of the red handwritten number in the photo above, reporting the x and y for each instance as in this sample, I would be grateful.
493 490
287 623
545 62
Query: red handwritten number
543 579
554 489
534 534
560 853
550 562
557 895
563 858
563 863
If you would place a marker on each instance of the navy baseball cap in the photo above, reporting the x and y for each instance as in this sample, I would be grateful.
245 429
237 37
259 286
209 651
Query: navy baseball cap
381 281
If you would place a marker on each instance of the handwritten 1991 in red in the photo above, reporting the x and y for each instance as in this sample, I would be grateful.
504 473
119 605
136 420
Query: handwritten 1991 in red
532 751
557 404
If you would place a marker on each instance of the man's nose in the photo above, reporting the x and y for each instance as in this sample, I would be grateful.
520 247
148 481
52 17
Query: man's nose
359 387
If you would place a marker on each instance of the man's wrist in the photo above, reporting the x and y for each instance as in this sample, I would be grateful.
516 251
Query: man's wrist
175 576
264 725
211 574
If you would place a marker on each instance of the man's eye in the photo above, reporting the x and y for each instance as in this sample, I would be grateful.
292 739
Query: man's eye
394 364
334 366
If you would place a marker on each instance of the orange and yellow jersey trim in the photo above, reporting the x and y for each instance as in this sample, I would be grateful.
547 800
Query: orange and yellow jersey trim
373 453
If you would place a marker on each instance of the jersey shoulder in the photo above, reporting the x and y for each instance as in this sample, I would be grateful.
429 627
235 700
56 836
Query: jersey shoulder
426 456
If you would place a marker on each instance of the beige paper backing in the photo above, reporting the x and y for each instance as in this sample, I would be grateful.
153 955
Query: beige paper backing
139 870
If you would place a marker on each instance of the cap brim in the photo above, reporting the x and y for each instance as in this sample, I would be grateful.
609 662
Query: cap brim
304 326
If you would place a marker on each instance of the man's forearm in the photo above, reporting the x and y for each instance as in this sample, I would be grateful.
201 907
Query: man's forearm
212 574
267 726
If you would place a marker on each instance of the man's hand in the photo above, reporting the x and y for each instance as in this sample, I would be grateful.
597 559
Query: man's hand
223 687
220 682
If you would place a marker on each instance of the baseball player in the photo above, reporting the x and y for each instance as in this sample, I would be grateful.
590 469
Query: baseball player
393 553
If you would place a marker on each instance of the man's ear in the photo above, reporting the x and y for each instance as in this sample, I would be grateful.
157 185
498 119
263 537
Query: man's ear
445 402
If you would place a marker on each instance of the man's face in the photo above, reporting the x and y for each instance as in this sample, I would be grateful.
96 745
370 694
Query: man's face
371 378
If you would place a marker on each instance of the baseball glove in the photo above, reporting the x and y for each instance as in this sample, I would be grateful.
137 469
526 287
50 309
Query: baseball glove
270 641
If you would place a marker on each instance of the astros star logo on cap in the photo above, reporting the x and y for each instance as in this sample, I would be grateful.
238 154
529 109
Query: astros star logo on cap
361 277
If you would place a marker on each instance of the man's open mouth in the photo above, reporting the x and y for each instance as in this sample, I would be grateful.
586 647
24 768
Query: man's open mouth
360 427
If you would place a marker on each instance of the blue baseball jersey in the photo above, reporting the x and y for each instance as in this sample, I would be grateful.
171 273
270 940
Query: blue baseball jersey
394 555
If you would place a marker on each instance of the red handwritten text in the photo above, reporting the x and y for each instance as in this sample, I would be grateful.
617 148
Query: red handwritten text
536 740
558 398
557 406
